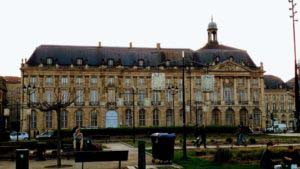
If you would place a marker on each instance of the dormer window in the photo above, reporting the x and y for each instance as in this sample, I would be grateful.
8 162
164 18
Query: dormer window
141 63
110 62
49 61
79 61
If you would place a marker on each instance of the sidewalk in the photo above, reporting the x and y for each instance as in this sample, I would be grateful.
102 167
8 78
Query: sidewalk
132 160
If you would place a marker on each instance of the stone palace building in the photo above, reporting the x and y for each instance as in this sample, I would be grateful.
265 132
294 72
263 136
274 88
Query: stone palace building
119 86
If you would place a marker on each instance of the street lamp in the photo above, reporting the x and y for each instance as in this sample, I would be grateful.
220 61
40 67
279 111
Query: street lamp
29 90
28 113
6 115
183 110
173 90
295 64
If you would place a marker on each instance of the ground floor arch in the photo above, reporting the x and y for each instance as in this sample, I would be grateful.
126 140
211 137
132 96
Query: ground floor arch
111 119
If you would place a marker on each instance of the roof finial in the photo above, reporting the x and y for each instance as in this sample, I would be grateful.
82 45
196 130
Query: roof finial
212 18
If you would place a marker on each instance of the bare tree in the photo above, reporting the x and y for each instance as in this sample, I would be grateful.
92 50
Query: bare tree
61 101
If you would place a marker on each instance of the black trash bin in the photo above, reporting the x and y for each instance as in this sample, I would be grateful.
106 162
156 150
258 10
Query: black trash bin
22 159
40 151
163 147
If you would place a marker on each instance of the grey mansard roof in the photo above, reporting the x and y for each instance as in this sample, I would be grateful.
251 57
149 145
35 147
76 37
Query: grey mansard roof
125 56
273 82
96 56
213 51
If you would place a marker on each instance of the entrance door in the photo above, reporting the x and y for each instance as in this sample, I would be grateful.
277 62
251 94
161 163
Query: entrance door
111 119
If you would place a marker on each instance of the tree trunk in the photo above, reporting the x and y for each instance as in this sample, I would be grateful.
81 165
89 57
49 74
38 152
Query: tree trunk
58 137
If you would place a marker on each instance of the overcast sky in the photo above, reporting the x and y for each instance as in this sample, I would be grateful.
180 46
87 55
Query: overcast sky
262 27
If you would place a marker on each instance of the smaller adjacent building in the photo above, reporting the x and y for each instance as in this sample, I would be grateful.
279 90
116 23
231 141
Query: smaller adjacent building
279 101
3 102
14 91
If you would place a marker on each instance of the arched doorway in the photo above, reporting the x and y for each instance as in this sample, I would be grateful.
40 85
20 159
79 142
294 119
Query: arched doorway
216 117
111 119
229 117
169 117
244 117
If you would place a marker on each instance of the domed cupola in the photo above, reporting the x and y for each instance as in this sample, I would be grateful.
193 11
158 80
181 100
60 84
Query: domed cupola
212 32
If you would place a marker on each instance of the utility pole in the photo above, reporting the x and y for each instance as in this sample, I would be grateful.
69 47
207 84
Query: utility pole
184 157
297 104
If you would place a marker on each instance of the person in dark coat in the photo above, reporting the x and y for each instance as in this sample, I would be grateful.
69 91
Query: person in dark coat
266 161
291 157
201 132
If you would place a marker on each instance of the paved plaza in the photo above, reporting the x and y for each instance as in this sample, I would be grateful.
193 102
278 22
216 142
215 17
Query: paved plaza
132 160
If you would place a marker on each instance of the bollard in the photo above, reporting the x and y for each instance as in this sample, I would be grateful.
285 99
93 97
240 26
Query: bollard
22 159
142 159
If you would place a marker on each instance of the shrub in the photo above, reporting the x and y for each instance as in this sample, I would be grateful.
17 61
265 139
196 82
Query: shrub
228 140
222 156
252 141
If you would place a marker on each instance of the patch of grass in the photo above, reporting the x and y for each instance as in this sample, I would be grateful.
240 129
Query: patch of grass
194 163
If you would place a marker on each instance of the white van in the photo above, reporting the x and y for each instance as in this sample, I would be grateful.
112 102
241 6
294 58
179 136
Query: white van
278 128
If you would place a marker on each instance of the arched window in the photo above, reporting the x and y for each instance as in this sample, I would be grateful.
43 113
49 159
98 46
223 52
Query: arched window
128 118
256 117
78 118
48 119
169 117
229 117
215 117
243 117
142 117
64 119
33 119
155 117
94 119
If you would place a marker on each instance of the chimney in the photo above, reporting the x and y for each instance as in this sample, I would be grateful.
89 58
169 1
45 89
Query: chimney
130 44
99 44
158 46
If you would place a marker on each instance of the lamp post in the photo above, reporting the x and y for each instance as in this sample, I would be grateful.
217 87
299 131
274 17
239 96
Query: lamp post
6 115
29 90
295 64
28 113
184 157
173 90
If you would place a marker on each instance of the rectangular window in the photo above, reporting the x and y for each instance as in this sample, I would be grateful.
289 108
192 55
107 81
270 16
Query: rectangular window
79 97
49 96
48 119
168 83
180 95
94 96
141 81
33 97
49 80
127 96
198 95
64 119
33 81
198 81
142 95
169 96
255 96
110 81
127 82
65 96
155 96
33 119
242 96
227 94
94 80
79 80
64 80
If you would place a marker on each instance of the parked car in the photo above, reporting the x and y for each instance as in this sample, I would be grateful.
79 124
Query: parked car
21 136
277 128
46 135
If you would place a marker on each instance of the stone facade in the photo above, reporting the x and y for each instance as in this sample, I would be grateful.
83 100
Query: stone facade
113 86
280 102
